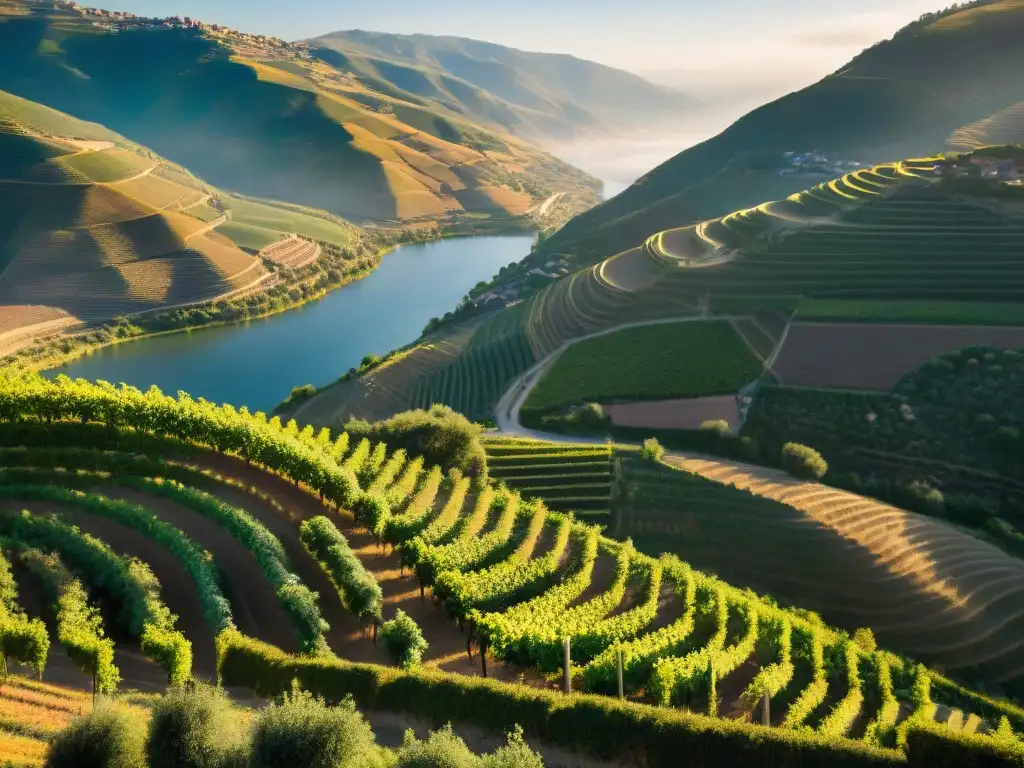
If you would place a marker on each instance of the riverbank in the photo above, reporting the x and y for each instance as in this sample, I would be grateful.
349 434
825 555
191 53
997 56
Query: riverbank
256 363
295 291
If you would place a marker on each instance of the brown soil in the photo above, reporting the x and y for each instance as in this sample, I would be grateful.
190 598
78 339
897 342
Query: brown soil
732 687
874 356
254 603
601 579
687 413
137 671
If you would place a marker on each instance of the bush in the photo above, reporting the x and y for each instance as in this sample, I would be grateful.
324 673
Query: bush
303 731
515 754
652 450
718 426
443 749
403 641
803 462
441 436
195 726
864 639
108 737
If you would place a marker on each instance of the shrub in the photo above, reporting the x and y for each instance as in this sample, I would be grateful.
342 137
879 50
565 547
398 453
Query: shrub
403 641
652 450
443 749
592 415
803 462
864 638
441 436
108 737
194 726
515 754
303 731
718 426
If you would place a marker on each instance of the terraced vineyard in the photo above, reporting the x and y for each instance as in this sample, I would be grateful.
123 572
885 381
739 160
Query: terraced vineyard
650 362
923 586
568 478
189 522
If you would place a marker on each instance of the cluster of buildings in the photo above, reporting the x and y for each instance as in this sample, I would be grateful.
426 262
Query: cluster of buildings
814 163
1008 170
119 20
514 289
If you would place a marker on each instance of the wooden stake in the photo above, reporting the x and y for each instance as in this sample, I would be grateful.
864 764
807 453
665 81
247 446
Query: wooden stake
766 713
566 662
622 688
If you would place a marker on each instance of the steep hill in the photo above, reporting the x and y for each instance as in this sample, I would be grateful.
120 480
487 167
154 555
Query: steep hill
196 527
888 233
95 227
540 95
262 117
948 81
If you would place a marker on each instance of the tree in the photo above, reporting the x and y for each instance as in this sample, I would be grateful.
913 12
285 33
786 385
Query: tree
403 641
803 462
652 450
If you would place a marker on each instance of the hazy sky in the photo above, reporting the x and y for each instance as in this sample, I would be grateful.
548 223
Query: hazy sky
632 34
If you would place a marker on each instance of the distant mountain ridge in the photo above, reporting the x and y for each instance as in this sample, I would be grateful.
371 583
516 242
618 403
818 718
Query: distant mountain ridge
540 95
265 118
948 81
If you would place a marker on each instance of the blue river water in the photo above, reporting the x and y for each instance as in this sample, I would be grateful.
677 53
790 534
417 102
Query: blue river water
257 363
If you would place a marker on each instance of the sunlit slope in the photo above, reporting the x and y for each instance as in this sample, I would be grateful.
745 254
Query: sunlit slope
544 96
889 232
269 123
92 227
902 97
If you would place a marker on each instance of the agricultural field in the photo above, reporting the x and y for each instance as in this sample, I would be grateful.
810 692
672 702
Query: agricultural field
687 413
875 356
954 423
922 585
566 477
278 220
132 520
662 361
930 312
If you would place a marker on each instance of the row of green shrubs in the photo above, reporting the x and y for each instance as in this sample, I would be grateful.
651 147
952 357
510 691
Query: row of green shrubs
129 582
22 639
196 726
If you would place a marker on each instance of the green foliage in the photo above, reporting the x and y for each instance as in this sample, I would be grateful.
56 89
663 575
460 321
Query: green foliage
839 721
195 726
865 640
80 631
403 640
776 640
599 727
803 462
301 730
199 564
440 435
109 736
359 591
299 602
515 754
442 749
25 640
649 362
193 422
652 450
417 511
811 647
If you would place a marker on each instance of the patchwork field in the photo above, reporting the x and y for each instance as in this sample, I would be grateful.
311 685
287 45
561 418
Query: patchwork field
287 516
923 586
869 356
662 361
292 252
687 413
566 477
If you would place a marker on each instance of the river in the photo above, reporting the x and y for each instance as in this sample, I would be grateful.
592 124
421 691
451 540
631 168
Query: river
256 363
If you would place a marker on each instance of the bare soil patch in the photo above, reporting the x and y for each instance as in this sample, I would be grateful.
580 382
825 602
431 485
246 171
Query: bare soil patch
686 413
874 356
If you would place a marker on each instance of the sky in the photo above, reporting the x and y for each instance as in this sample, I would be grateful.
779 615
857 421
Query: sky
816 36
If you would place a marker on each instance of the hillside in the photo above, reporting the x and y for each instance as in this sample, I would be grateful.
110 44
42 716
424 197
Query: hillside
948 82
133 497
264 118
94 227
546 97
891 233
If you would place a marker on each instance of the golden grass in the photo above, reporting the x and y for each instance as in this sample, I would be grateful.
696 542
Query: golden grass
268 74
158 192
963 19
21 751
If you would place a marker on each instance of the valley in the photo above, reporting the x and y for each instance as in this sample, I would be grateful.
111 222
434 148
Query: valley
371 398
